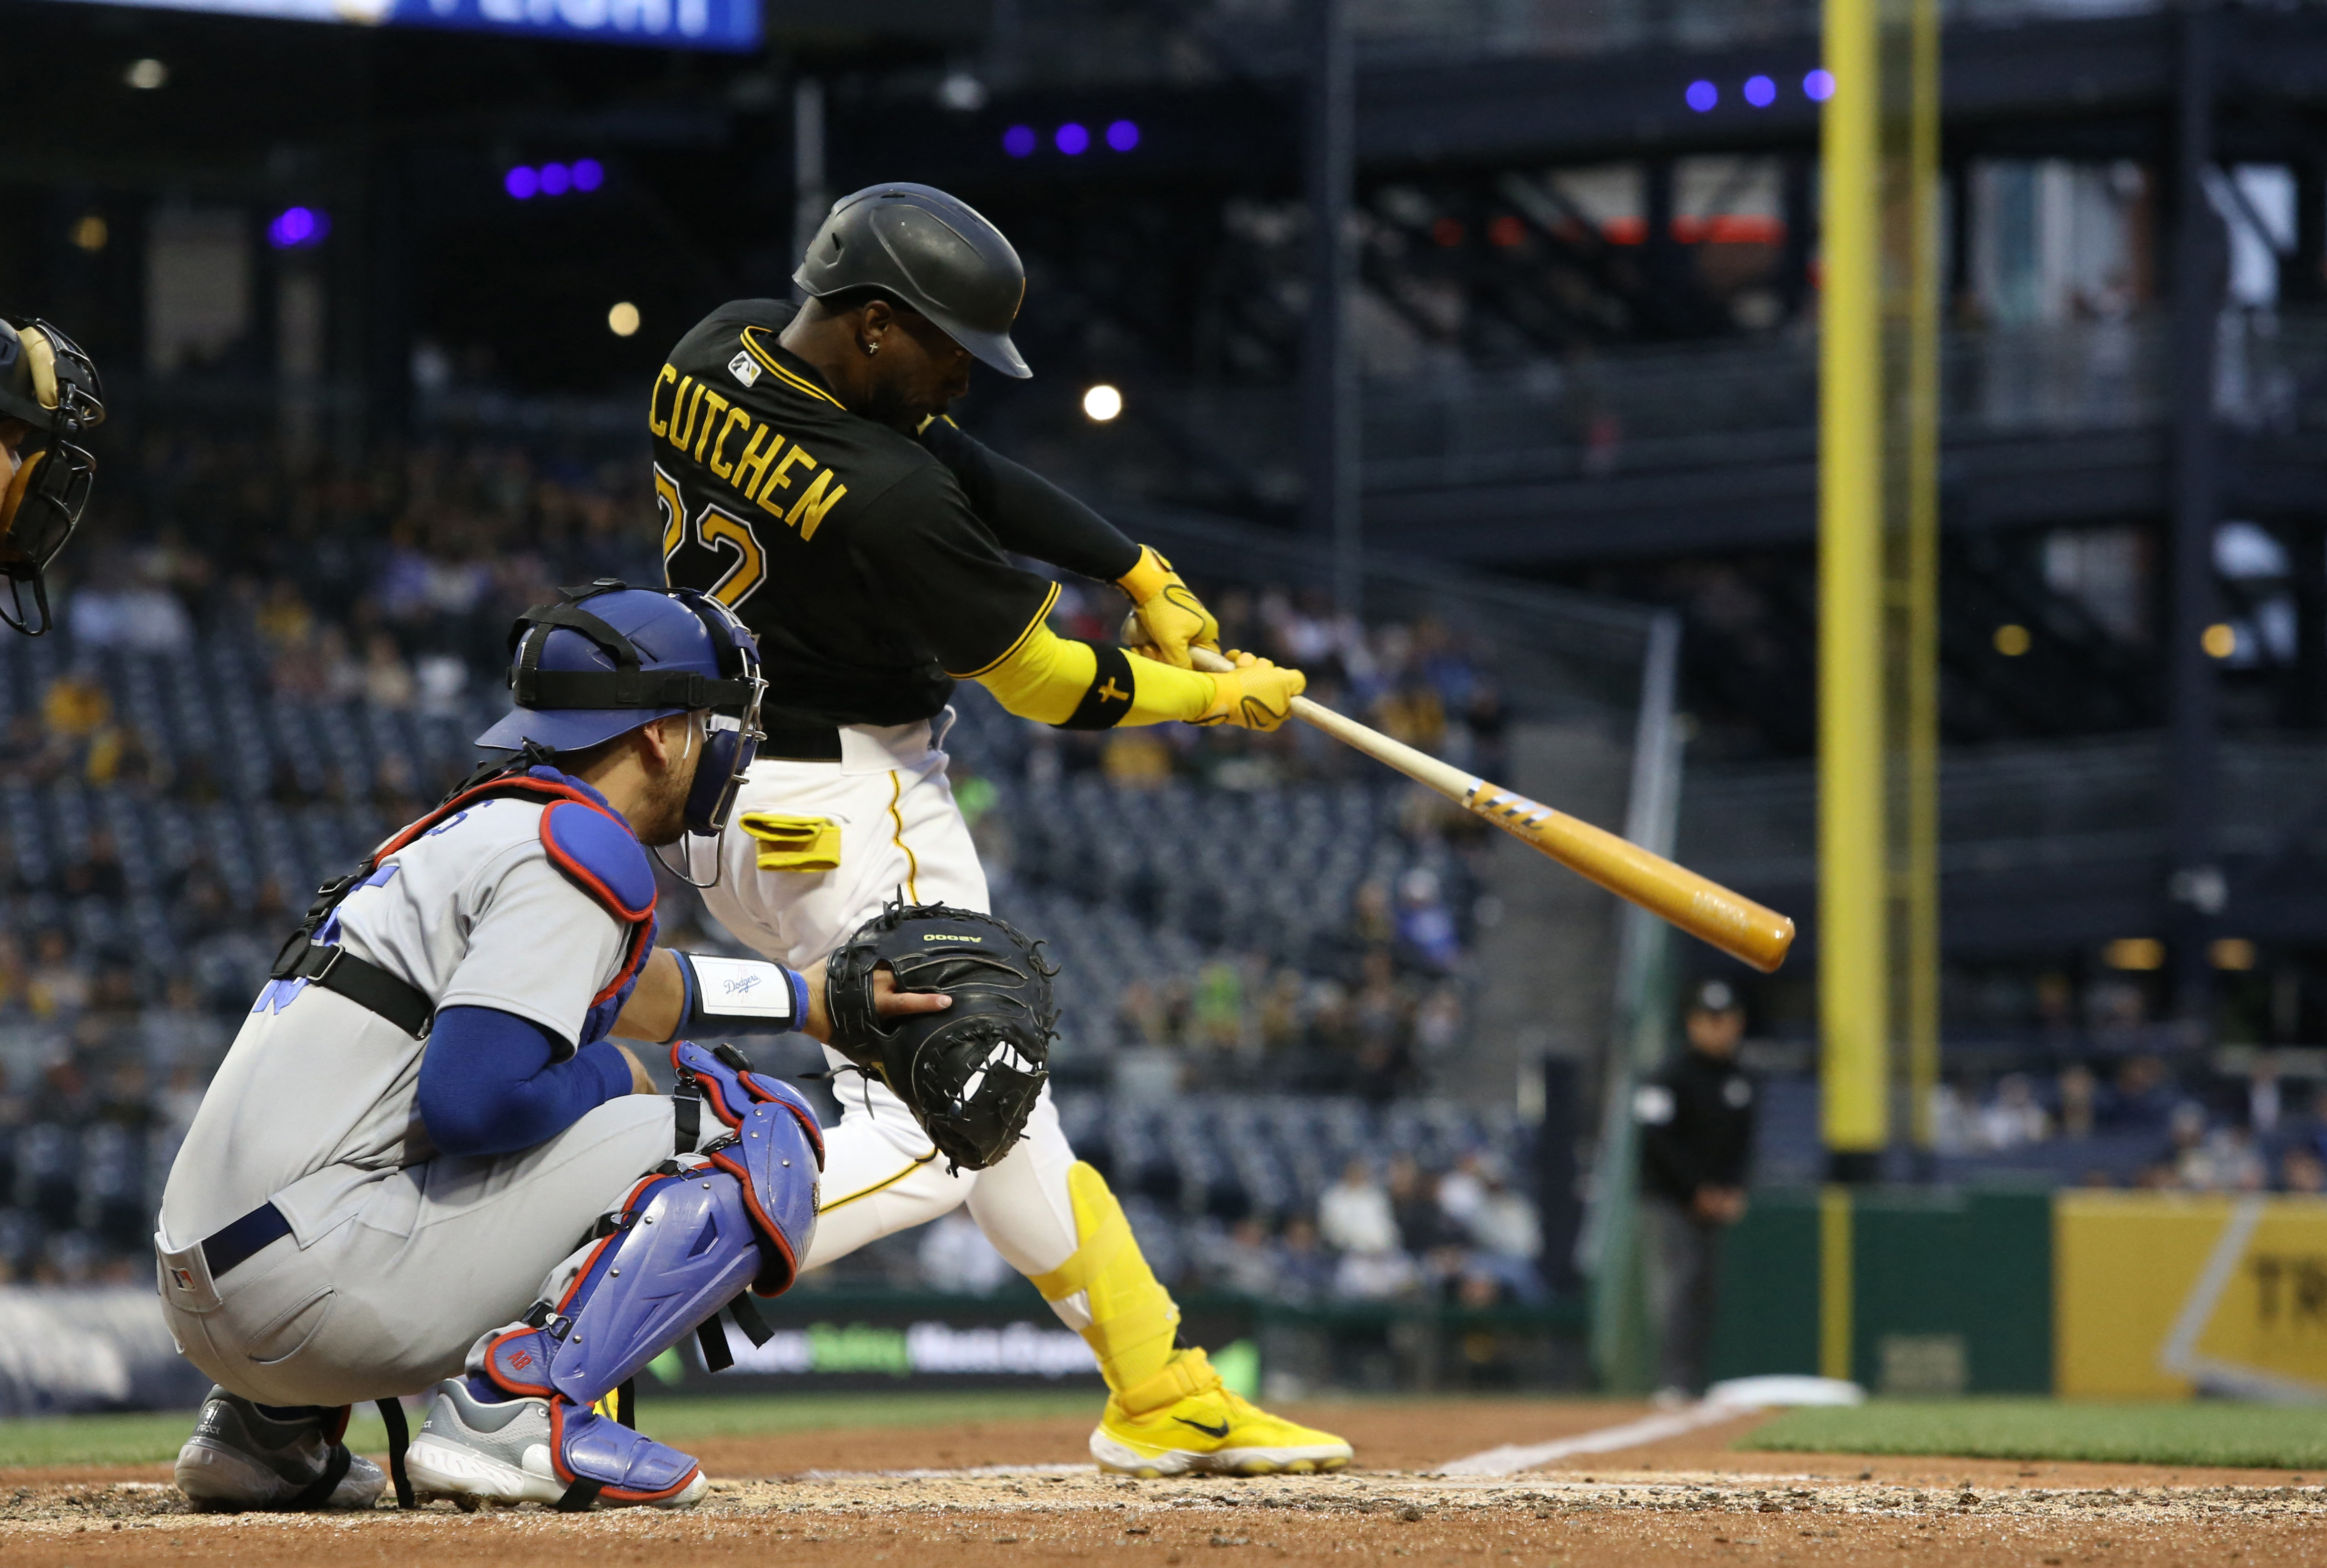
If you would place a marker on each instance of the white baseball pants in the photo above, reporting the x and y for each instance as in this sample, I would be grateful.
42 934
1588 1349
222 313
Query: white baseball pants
900 832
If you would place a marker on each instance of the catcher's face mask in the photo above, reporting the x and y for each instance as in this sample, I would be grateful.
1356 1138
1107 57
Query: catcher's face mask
733 743
49 392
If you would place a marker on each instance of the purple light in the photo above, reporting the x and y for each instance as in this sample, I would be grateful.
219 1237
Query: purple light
1071 139
1818 86
556 179
297 227
521 183
1761 91
1019 141
588 174
1123 135
1702 95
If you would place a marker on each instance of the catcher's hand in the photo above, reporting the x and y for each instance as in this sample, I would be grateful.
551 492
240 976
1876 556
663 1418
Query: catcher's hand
970 1072
1171 617
1255 696
888 1002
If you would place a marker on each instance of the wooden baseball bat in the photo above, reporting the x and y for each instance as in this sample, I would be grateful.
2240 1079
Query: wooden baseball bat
1702 907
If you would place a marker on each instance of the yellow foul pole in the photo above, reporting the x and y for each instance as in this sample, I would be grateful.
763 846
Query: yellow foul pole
1853 943
1914 516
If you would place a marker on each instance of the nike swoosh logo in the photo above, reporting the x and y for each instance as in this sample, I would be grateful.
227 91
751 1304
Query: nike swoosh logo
1215 1433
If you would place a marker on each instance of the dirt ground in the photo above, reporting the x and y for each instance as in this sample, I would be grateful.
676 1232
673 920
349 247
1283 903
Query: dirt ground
822 1500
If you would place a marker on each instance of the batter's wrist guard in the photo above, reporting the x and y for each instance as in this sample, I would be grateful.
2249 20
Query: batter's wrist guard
739 996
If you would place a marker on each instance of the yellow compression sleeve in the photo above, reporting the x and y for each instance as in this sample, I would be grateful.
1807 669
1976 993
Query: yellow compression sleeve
1052 679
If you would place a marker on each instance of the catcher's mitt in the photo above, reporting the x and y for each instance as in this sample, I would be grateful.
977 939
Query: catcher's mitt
971 1073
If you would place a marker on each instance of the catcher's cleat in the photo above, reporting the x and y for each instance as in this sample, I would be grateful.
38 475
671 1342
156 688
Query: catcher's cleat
1210 1431
239 1457
551 1452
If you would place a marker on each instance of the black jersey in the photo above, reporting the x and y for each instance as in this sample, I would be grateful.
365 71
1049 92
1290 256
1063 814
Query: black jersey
1697 1125
849 549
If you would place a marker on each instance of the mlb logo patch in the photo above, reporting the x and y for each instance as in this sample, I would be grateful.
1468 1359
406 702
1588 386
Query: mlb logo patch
744 368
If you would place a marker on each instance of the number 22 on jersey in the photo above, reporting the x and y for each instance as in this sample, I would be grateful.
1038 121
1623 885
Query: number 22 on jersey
714 530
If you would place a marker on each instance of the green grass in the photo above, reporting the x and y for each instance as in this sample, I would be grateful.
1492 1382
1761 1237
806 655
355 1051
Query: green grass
145 1439
2203 1433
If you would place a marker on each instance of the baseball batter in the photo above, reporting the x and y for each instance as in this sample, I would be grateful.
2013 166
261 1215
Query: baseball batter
808 478
424 1159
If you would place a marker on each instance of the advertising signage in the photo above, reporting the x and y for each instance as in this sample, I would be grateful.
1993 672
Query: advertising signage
731 25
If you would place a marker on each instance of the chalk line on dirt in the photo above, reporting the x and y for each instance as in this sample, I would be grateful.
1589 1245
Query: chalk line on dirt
1512 1457
963 1472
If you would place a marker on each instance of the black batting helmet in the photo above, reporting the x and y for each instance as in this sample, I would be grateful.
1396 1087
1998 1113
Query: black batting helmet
49 384
929 251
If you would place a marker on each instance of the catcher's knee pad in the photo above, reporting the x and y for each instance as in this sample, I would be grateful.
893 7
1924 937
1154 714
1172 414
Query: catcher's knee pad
687 1241
1134 1320
681 1248
719 1079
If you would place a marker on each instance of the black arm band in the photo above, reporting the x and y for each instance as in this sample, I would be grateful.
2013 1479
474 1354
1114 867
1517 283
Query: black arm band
1109 697
740 996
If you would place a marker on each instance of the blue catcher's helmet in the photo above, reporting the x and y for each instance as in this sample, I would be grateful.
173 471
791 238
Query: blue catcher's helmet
611 658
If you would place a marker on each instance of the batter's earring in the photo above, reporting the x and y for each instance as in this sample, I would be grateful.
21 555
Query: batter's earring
872 349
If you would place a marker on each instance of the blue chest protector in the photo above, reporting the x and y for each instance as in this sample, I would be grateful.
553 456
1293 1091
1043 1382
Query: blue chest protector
595 847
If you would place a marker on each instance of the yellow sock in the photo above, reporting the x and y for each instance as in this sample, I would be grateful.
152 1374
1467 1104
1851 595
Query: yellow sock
1133 1318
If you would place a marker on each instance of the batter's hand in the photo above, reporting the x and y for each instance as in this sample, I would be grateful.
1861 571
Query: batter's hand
1171 617
887 1000
1255 696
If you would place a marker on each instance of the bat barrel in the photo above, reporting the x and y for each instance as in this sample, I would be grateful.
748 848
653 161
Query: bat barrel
1745 930
1698 905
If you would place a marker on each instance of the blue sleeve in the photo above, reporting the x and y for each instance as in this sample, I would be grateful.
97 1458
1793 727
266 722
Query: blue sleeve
490 1083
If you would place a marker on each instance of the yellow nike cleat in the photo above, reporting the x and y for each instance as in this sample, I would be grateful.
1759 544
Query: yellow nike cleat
1210 1431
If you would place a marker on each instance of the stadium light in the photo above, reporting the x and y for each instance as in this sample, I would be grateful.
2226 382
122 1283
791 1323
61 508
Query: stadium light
145 75
1072 139
1123 135
2231 953
90 233
2134 953
1702 95
2220 640
1818 86
298 229
622 320
2012 640
1761 91
1102 403
525 182
1020 141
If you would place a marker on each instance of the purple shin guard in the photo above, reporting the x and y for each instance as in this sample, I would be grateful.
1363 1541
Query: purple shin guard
687 1250
602 1460
686 1240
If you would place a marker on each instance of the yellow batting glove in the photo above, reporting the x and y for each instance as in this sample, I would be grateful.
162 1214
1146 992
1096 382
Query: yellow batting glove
1255 696
1171 617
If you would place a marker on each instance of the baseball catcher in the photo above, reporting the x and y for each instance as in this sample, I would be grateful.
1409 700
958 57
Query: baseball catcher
49 396
424 1159
809 479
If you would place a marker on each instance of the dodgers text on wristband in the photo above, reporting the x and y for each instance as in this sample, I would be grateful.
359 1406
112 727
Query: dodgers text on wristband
744 995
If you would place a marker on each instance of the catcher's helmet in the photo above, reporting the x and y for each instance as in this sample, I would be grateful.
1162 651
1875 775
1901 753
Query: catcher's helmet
608 658
930 251
49 384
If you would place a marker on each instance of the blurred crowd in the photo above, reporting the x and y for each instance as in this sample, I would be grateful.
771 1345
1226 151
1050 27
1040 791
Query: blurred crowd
2138 1123
1390 1231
